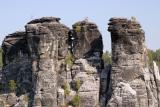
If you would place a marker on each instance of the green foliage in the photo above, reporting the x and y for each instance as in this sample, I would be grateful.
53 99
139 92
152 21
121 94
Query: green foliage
12 85
150 57
78 28
69 59
66 89
1 63
107 57
75 101
157 57
154 56
78 84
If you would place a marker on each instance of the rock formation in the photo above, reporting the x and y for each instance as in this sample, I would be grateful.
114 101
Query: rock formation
17 68
50 65
79 81
88 40
133 83
44 37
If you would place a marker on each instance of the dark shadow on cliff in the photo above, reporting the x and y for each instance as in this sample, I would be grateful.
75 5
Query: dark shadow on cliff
16 73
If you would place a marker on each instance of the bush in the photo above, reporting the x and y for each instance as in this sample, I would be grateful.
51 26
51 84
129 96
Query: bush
12 85
78 84
75 101
69 59
66 89
107 57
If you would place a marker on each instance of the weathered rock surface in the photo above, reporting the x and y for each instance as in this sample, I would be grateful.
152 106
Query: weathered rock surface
81 77
50 65
14 47
17 68
133 83
88 39
46 39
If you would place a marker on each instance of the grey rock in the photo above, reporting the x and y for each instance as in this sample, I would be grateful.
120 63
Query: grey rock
88 39
54 66
132 80
45 36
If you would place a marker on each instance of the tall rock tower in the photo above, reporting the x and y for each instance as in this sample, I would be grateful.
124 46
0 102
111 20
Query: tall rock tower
46 37
131 80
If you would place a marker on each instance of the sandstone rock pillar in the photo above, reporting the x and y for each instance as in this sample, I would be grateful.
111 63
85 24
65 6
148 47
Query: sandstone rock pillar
44 38
128 63
87 50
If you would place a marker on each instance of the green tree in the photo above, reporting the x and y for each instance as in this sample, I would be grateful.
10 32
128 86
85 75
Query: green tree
150 57
107 57
157 56
12 85
154 56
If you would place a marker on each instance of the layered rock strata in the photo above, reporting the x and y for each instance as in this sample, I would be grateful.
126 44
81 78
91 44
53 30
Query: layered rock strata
16 69
52 65
46 41
132 82
80 79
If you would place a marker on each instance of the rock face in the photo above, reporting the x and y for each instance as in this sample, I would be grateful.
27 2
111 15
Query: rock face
16 69
88 39
44 37
14 45
80 80
51 65
132 82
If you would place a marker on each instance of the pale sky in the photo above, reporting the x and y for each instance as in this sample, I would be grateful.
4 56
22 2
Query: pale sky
16 13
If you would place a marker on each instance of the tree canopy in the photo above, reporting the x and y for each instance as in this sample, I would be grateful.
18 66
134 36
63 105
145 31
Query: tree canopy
154 56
